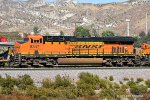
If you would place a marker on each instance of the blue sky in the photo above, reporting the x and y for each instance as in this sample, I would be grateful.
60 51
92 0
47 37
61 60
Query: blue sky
96 1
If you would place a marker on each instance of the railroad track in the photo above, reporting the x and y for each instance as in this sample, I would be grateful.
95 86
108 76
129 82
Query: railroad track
74 68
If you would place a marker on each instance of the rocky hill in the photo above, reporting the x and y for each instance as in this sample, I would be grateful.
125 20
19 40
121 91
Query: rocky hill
63 15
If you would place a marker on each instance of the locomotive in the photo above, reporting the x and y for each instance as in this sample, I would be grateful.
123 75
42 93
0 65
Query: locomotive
51 51
38 50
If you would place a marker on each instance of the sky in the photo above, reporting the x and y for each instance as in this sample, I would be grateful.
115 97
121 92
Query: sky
96 1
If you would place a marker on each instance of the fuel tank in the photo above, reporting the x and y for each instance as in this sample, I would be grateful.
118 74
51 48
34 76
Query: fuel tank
79 61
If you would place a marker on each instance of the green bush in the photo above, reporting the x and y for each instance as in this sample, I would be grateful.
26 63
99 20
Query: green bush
126 79
108 94
105 84
82 32
24 81
62 81
139 80
46 83
90 79
108 33
120 82
32 91
66 93
84 89
147 83
131 83
124 86
138 89
7 84
111 78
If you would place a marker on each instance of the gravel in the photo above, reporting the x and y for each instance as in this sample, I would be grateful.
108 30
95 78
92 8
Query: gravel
118 74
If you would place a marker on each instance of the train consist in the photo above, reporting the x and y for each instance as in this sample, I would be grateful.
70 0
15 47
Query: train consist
37 50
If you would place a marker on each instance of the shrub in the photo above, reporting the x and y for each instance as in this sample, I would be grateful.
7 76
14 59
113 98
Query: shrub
139 80
7 84
111 78
24 81
32 91
132 79
62 81
138 89
147 83
82 32
131 83
124 86
108 33
120 82
66 93
90 79
126 79
105 84
46 83
108 94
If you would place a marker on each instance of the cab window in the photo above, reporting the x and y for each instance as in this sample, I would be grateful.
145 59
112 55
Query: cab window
36 41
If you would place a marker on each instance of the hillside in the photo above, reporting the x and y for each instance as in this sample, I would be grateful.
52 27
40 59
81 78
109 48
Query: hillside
63 15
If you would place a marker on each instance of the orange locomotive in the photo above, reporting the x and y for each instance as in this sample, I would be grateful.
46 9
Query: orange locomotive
37 50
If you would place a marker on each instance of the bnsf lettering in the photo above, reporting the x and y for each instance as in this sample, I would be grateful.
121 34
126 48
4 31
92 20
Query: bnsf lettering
34 46
88 46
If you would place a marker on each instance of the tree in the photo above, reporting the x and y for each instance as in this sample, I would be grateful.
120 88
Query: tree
95 33
36 30
142 34
61 33
107 33
142 39
82 32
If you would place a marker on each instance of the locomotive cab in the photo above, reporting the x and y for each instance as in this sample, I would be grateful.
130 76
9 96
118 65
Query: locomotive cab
32 45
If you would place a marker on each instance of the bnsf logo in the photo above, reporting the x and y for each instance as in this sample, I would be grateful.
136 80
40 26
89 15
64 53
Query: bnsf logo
88 46
34 46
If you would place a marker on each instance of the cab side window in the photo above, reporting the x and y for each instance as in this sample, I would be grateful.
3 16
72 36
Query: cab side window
31 40
36 41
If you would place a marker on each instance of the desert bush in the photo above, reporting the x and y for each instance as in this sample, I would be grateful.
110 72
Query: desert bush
139 80
124 86
120 82
24 81
32 91
126 79
108 94
90 79
62 81
147 83
46 83
111 78
138 89
66 93
7 84
131 83
84 89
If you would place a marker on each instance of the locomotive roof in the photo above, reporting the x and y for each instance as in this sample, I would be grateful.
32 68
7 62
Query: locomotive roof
89 39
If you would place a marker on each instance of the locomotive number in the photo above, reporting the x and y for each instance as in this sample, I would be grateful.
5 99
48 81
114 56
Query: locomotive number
88 46
34 46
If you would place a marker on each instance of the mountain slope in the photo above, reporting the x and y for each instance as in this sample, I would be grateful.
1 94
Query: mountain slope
63 15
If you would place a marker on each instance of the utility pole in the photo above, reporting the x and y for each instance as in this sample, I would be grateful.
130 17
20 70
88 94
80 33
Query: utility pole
146 26
128 27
